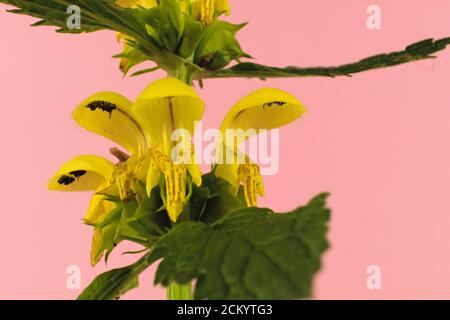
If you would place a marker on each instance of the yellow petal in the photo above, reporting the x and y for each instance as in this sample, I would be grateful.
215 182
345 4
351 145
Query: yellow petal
264 109
165 105
137 3
96 247
175 183
250 177
153 177
196 174
223 6
109 114
82 173
104 239
229 172
175 177
98 208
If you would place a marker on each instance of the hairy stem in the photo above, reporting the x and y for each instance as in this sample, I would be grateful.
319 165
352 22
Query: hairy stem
177 291
421 50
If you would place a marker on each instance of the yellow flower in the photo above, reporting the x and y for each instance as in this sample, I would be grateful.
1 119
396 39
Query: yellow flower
263 109
107 114
87 173
164 106
144 129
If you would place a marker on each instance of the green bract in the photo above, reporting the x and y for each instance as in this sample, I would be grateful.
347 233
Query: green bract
218 46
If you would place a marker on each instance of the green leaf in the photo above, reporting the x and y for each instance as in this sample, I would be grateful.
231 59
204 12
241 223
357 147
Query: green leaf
193 31
253 253
144 71
417 51
139 223
112 284
165 23
213 200
54 13
197 201
130 57
218 207
98 15
146 223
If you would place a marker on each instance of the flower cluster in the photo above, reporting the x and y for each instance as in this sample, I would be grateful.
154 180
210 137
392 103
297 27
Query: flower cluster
144 129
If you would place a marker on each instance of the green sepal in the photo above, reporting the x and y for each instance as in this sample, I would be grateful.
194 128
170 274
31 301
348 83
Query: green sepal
218 46
193 31
133 58
165 24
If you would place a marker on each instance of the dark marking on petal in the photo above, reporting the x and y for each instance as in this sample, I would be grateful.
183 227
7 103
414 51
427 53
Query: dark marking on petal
276 103
66 180
78 173
102 105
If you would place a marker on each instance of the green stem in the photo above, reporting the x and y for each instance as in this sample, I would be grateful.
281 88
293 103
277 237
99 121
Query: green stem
183 73
177 291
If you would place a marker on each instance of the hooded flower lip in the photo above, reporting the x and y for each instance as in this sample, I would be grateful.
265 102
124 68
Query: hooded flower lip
87 173
82 173
164 106
266 108
263 109
109 114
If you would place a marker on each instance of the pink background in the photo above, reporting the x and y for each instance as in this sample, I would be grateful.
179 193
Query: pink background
380 142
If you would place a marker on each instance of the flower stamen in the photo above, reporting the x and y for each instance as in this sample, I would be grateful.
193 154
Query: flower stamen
249 174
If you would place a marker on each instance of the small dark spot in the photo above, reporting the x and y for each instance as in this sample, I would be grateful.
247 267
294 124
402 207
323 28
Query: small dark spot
276 103
115 244
66 180
78 173
102 105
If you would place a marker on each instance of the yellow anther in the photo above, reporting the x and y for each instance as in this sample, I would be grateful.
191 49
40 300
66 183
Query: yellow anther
122 178
175 179
207 11
203 10
249 175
